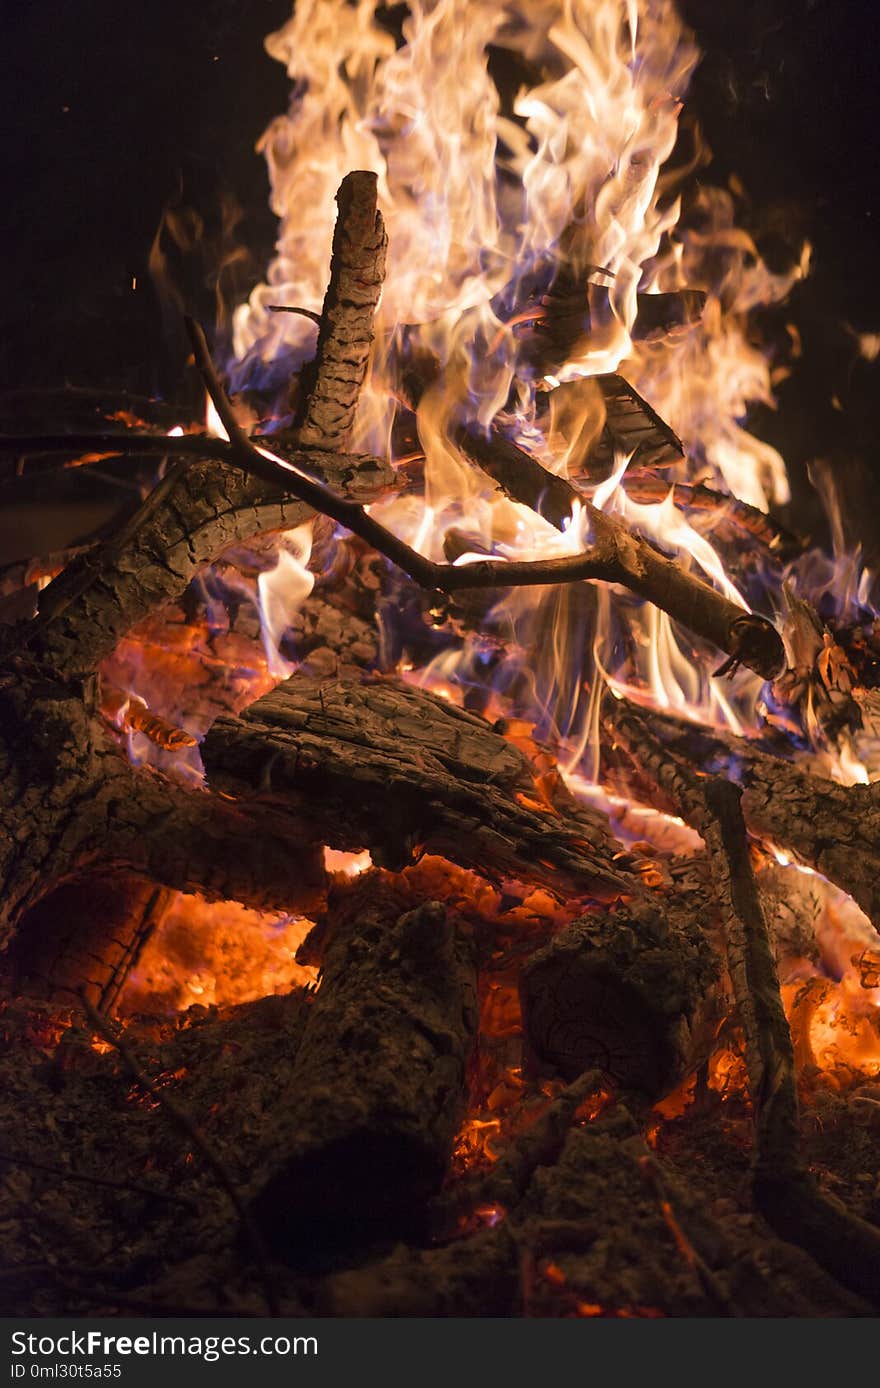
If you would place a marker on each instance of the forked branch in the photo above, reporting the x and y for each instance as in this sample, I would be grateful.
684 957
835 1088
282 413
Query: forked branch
617 556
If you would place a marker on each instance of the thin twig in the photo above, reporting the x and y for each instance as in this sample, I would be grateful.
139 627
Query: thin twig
132 442
710 1283
618 556
198 1140
295 308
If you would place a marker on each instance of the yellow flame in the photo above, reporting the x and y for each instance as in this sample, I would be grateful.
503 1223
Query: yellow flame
488 195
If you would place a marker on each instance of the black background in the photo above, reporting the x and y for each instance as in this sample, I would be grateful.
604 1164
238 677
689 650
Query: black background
111 109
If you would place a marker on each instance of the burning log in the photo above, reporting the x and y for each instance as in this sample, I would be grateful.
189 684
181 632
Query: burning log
87 934
616 556
632 428
832 828
561 321
377 1089
194 514
726 512
62 770
379 765
620 556
620 991
86 808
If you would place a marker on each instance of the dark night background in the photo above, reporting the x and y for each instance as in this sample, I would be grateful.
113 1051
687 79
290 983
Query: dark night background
111 110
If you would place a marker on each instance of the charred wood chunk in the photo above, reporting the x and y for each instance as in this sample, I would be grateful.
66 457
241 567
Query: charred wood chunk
378 1087
618 992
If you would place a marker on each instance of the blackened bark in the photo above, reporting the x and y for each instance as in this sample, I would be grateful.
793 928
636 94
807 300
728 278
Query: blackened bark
377 1091
333 383
832 828
618 991
193 515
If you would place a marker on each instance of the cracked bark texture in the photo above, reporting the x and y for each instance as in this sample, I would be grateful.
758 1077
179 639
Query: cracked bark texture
784 1190
191 517
620 991
380 765
69 798
71 802
333 382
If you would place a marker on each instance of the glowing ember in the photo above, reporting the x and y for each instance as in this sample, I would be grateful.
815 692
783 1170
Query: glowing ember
215 953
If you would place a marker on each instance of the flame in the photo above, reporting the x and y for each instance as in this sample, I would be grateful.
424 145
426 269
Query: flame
834 1032
493 197
496 200
351 864
282 591
503 202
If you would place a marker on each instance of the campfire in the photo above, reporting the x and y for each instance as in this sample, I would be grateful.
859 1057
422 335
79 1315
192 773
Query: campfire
441 855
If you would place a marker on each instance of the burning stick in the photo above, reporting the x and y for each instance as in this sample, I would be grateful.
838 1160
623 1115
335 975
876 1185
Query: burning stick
332 383
620 556
647 487
616 555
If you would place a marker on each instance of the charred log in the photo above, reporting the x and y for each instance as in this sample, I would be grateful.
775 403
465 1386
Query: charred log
734 519
619 991
87 935
785 1192
625 558
377 1090
66 779
556 327
379 765
195 513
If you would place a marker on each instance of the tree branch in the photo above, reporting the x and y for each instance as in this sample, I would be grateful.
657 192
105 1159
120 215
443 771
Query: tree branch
331 384
198 510
617 556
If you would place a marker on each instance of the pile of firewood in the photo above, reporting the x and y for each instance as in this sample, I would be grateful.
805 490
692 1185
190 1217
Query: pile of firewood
297 1153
